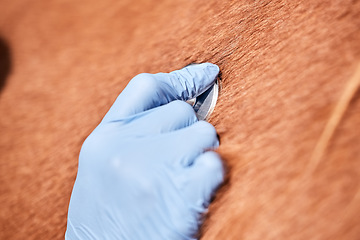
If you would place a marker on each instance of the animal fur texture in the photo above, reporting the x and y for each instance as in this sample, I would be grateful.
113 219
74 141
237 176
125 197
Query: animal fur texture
288 114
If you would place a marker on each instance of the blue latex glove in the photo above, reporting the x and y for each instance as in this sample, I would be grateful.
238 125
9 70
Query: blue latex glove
145 172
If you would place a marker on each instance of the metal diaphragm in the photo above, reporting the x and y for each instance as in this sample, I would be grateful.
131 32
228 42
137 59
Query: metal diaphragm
204 104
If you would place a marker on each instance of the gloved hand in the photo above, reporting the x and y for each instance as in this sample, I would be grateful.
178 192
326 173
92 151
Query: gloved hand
145 172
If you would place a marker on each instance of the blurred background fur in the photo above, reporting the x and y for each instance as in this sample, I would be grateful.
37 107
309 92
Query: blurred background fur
288 114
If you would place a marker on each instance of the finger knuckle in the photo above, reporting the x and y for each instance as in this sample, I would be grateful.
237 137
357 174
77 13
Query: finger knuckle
182 108
213 162
207 129
145 81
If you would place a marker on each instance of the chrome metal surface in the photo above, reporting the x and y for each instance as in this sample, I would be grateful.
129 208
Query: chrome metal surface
205 103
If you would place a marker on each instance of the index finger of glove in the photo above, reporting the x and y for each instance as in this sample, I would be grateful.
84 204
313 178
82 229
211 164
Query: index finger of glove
146 91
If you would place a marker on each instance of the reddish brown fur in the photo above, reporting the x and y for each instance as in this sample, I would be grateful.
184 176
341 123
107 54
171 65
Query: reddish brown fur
285 66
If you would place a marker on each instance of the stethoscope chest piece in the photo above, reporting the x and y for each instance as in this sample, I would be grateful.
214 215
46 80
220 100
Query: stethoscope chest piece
204 104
